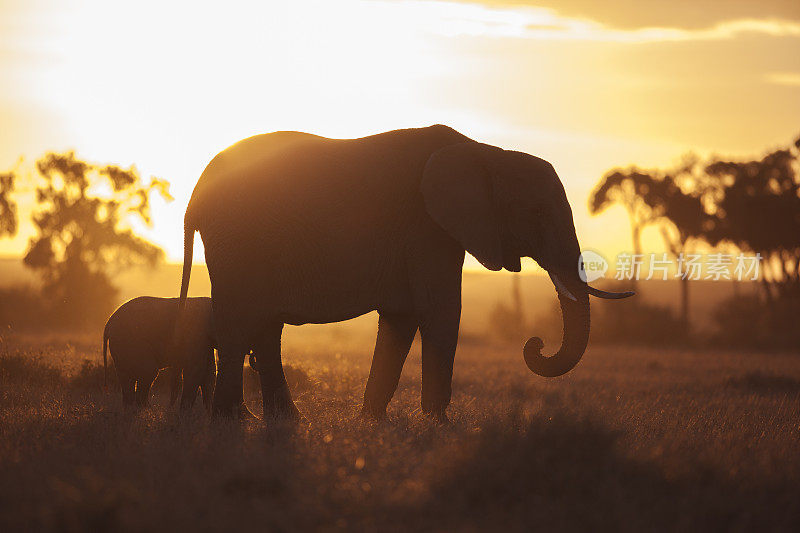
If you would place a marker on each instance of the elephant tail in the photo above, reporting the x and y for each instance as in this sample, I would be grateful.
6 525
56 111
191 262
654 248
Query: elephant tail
105 358
188 252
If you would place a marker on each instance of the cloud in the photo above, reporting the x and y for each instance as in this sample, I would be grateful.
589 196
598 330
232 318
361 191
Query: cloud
791 79
682 14
523 22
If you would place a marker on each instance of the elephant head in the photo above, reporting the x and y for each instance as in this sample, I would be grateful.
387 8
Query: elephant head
502 205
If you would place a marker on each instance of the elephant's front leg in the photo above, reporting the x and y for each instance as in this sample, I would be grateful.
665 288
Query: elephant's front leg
439 332
395 335
275 395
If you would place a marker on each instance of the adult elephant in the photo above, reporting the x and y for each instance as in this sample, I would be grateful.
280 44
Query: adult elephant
303 229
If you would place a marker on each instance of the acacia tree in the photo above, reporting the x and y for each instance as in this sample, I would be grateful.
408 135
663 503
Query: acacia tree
757 209
628 188
8 208
682 219
84 237
752 206
655 197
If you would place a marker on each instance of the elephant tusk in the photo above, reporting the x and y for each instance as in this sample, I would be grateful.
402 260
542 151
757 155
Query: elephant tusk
561 288
608 295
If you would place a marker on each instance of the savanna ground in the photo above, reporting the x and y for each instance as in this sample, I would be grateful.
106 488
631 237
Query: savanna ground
632 439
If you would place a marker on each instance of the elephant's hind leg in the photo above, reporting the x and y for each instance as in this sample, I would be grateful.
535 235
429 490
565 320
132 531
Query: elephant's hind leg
191 383
175 379
395 335
207 386
275 395
143 384
198 376
228 387
128 391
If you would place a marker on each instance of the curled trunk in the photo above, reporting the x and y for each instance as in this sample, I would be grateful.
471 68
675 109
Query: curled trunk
575 314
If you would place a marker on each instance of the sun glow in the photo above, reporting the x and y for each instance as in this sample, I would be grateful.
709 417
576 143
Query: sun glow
167 85
171 90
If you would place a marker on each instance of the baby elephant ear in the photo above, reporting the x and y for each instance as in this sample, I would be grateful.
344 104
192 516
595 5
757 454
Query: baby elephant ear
457 188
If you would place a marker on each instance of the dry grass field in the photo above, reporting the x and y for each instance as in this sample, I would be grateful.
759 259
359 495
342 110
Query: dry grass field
632 440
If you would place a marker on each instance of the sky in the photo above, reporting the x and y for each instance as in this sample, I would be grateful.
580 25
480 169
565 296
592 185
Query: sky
586 85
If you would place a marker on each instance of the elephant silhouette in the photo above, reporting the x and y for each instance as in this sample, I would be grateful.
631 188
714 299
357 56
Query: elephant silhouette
300 229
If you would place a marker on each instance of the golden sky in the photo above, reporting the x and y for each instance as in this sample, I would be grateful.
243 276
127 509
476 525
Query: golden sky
587 85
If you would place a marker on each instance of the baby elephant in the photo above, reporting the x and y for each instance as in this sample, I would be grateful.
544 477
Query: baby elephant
139 335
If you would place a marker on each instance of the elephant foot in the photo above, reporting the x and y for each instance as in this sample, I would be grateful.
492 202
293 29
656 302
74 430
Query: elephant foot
373 412
437 415
278 404
238 412
283 411
245 413
225 412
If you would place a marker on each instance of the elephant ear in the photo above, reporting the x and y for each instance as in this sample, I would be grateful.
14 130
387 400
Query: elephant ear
457 189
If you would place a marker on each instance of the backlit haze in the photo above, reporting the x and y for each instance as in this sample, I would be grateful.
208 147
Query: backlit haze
585 85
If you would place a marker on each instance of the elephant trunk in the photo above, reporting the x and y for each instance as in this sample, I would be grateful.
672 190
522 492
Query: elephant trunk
575 313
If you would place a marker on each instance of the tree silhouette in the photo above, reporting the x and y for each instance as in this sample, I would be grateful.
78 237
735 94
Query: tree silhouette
682 219
752 206
630 189
8 208
757 209
82 239
656 197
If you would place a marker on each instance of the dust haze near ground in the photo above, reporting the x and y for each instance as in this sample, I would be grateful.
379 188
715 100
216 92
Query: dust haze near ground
480 292
631 439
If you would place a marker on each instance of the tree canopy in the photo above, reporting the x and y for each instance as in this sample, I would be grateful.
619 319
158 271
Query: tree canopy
83 230
756 208
633 189
753 205
8 208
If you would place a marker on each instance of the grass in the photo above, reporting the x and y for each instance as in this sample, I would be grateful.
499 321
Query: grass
633 439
